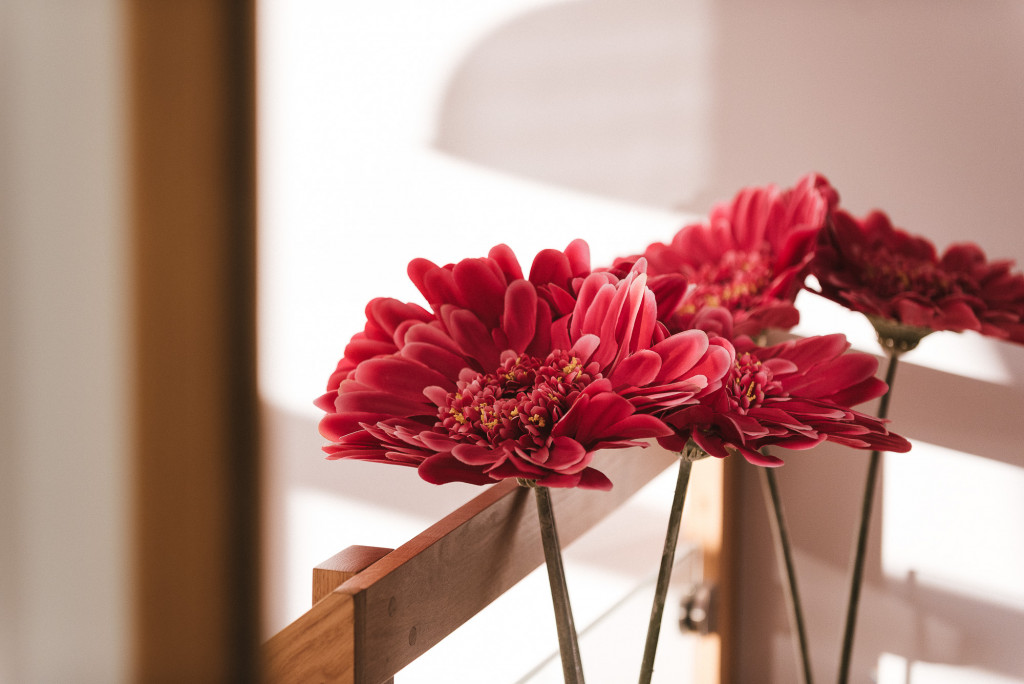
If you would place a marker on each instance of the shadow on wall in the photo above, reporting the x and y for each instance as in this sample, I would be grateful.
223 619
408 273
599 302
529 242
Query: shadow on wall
915 107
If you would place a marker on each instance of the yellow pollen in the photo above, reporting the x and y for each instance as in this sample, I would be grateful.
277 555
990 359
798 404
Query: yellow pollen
513 413
458 416
573 365
751 391
537 420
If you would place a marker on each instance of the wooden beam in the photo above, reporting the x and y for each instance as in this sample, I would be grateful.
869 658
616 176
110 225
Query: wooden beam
318 648
422 591
191 115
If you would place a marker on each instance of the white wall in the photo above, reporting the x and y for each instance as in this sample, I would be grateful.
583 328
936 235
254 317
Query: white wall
63 486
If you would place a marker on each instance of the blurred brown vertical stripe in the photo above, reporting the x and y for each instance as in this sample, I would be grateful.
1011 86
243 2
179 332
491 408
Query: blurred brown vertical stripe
192 166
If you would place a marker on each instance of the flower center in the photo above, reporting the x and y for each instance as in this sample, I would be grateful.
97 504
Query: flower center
516 405
751 382
889 274
735 282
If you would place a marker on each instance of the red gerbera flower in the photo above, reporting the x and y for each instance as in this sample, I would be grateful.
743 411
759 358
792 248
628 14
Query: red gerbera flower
886 273
501 383
748 257
793 395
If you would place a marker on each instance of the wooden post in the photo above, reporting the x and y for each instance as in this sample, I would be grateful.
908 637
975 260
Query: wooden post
343 566
196 489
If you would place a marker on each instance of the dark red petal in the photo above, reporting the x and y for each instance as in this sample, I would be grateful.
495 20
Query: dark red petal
436 284
401 377
432 334
335 426
519 320
586 420
758 458
674 442
637 426
711 444
541 345
325 402
587 479
477 455
361 349
481 288
506 260
472 335
550 266
431 356
444 468
386 404
566 455
390 313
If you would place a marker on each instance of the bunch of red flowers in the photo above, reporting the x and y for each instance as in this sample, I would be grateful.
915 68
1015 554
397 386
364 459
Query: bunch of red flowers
505 375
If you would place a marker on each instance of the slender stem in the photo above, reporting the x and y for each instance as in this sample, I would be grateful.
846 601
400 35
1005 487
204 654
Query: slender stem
780 531
668 555
568 642
857 574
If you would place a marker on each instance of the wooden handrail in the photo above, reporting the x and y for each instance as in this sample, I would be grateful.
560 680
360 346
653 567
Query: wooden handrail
383 618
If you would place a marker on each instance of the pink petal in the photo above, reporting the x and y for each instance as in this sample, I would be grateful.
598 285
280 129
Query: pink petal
843 372
578 255
637 370
679 353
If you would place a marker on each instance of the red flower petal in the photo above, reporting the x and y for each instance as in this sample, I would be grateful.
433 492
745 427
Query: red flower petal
444 468
519 320
402 377
636 370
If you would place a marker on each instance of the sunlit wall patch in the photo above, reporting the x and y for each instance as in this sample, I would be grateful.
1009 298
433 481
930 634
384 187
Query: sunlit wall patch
955 533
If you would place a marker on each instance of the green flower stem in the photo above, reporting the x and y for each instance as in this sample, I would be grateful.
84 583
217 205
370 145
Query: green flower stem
857 573
780 531
568 642
668 554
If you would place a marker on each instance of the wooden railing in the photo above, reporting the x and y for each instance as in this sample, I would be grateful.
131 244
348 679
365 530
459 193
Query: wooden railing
376 610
